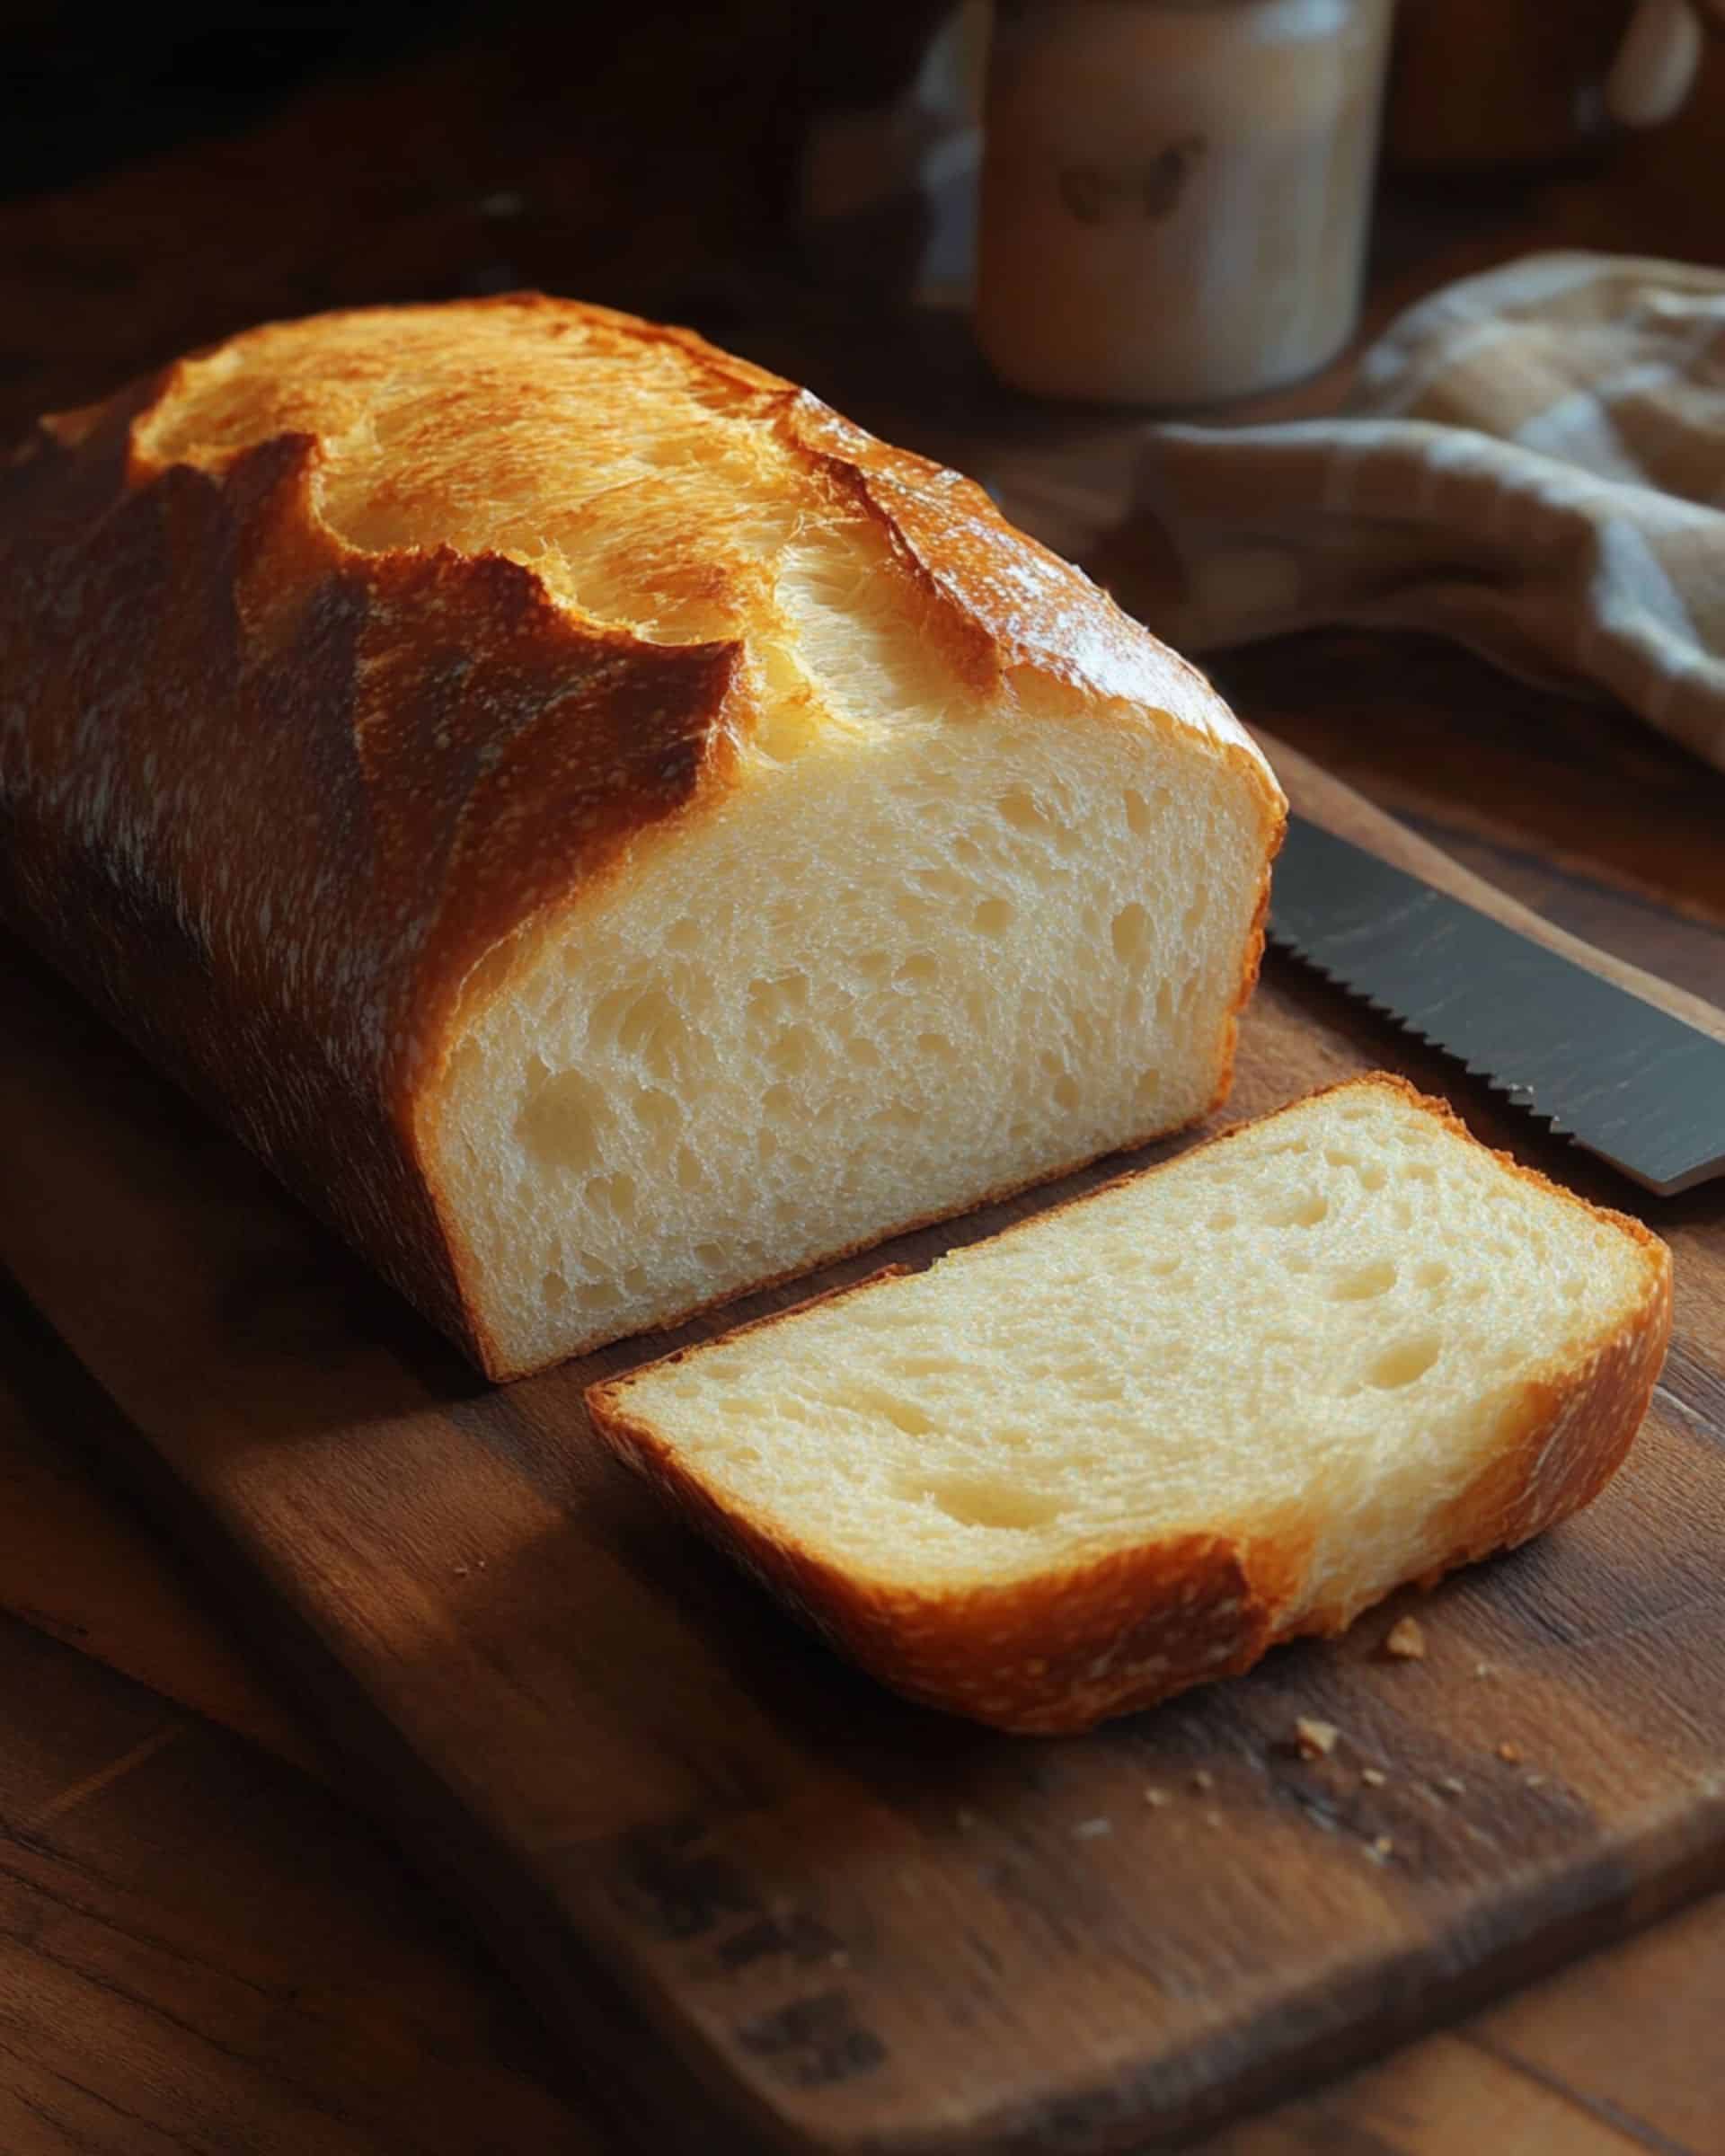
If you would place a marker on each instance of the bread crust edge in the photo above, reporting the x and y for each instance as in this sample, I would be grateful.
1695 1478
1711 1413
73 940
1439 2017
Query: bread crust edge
1059 1651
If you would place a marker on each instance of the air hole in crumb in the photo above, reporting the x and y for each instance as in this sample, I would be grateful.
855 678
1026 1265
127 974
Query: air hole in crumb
643 1024
1363 1283
772 1000
1066 1093
936 1047
1222 1221
993 916
683 935
555 1289
658 1112
1406 1362
925 1365
1431 1273
561 1123
615 1194
944 882
902 1414
1140 817
1305 1210
919 969
792 1051
1131 934
974 1501
1020 809
1373 1175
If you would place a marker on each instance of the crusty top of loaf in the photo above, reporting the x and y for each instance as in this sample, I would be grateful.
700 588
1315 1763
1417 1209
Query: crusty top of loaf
492 587
503 418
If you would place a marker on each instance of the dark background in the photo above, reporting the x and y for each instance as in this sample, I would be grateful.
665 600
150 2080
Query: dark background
86 89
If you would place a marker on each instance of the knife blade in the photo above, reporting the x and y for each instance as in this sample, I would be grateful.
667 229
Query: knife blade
1618 1076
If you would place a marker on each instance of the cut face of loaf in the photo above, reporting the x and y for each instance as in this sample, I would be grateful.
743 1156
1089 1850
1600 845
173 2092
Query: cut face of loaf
924 962
609 832
1128 1445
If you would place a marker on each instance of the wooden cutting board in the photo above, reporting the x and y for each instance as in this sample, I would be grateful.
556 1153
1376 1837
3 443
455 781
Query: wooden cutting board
771 1903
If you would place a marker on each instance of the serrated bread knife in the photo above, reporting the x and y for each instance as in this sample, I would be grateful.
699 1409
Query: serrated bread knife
1630 1079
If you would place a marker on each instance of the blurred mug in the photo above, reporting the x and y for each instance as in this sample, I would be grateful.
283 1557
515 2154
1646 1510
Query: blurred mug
1175 193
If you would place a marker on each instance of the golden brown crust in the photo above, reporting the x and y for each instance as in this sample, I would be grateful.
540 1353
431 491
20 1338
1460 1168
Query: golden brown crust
1060 1651
280 773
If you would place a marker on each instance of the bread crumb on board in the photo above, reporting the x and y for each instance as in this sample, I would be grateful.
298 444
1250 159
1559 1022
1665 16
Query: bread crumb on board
1156 1797
1383 1848
1374 1778
1509 1753
1092 1830
1203 1778
1314 1739
1406 1640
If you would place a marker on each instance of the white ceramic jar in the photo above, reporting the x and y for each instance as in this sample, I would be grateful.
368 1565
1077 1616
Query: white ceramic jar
1175 193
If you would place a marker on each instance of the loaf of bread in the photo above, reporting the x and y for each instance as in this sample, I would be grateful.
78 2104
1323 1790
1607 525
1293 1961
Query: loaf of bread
1128 1446
607 831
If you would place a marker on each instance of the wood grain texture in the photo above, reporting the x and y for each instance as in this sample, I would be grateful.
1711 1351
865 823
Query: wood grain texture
78 1563
859 1924
171 1983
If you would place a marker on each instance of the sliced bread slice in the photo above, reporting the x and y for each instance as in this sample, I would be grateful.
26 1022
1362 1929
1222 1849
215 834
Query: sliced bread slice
1128 1445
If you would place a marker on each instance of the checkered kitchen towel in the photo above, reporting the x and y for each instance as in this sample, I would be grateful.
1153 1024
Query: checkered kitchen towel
1532 462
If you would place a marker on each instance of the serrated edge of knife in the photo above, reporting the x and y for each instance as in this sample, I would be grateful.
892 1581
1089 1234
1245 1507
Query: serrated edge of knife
1518 1097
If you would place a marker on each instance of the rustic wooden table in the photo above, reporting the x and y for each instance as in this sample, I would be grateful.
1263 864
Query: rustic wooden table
203 1946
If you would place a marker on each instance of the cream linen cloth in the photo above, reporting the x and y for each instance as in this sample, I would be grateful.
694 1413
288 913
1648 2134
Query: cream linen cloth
1532 462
